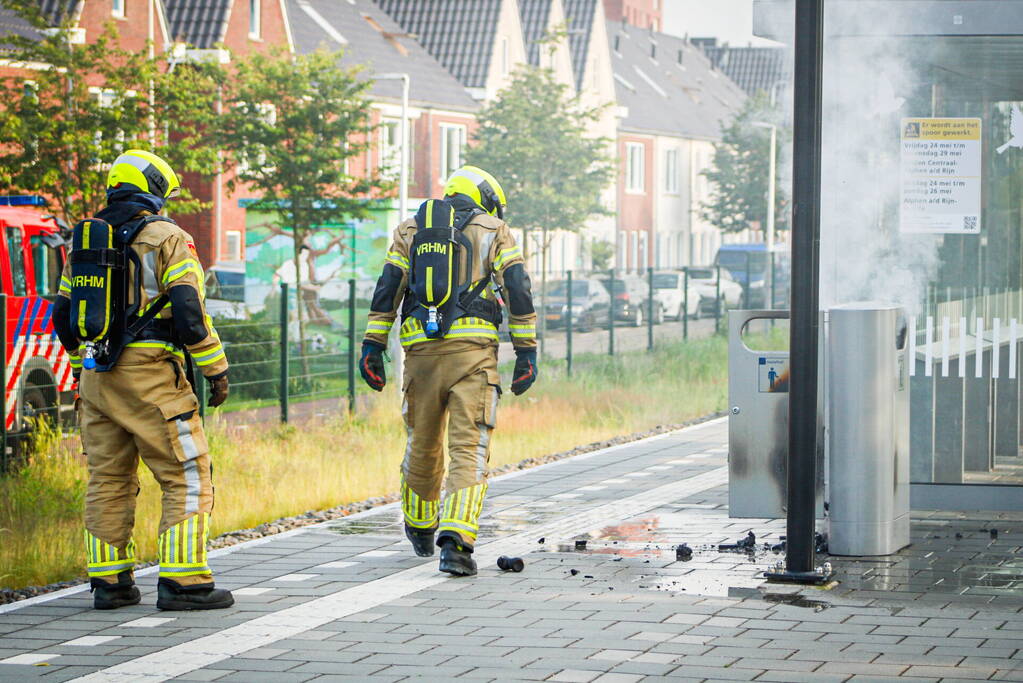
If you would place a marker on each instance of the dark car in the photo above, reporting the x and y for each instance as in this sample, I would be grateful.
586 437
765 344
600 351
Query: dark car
590 304
751 266
632 300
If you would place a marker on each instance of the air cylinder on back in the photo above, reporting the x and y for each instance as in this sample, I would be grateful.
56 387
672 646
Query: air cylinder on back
868 401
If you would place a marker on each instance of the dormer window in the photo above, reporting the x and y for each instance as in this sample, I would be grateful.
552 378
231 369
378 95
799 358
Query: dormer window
255 20
117 8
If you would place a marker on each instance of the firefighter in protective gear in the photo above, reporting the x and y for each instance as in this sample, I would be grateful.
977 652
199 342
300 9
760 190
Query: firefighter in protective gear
145 407
452 381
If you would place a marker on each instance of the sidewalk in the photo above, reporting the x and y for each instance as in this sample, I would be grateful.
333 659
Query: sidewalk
602 597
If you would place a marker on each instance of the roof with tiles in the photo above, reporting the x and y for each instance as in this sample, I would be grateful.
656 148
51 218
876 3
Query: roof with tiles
458 33
369 36
580 15
54 13
535 17
200 23
754 69
669 86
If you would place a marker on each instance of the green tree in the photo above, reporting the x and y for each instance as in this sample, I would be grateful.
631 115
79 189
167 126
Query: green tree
741 168
534 138
63 124
291 124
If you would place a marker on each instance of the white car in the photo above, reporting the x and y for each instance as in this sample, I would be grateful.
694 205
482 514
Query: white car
669 288
705 281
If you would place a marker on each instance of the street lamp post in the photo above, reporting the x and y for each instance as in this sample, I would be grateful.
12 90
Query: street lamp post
395 341
771 182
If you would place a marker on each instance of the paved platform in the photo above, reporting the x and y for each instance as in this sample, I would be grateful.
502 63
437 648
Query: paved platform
602 597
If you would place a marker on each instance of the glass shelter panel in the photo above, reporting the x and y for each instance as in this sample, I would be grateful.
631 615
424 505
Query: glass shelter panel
922 206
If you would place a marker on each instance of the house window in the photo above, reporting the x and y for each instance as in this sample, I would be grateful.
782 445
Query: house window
452 144
671 171
634 167
118 8
255 20
390 148
234 245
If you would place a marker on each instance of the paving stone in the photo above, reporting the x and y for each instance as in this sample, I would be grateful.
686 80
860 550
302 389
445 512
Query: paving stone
862 668
944 672
574 676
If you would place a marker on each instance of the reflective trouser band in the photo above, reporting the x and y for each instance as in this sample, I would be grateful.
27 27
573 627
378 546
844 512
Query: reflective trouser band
419 513
105 559
157 345
412 330
183 547
462 511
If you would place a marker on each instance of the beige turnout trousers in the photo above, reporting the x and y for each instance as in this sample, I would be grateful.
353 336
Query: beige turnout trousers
459 392
144 407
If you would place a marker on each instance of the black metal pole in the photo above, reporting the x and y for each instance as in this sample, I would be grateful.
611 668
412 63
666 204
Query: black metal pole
806 197
284 353
568 328
685 304
650 310
351 346
611 318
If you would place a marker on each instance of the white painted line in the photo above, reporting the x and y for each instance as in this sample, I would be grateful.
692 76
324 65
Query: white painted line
680 461
979 357
946 332
611 481
147 622
1012 348
340 564
635 475
566 495
659 468
92 641
182 659
220 552
296 577
251 590
928 344
962 347
591 488
996 348
911 351
29 658
706 455
378 553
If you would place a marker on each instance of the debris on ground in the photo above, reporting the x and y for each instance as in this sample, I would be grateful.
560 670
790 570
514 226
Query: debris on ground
748 543
580 544
513 564
683 553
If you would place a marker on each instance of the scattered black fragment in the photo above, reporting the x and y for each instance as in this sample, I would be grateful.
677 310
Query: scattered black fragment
958 535
748 543
587 576
514 564
683 553
994 534
820 542
984 531
542 540
580 544
573 572
778 547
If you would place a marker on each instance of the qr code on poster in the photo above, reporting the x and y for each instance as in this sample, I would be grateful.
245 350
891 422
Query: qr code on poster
970 223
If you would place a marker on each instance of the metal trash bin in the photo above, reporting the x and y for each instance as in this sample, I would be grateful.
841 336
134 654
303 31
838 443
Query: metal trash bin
868 401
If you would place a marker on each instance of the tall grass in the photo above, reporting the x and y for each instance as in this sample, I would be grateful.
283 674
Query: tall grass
269 471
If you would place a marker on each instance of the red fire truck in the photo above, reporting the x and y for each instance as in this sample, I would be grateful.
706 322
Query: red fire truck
38 370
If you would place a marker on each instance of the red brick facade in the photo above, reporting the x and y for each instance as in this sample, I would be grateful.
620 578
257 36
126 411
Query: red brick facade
640 13
635 206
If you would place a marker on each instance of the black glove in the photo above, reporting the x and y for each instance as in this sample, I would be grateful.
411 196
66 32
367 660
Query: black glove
218 390
372 365
525 371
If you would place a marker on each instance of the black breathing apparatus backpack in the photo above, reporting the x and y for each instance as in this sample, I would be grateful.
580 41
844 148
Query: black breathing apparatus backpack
438 291
100 287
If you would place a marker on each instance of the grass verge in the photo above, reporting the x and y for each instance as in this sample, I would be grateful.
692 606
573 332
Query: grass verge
265 472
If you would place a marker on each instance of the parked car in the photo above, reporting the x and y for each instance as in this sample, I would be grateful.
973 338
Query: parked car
669 288
704 278
631 296
753 261
225 291
591 303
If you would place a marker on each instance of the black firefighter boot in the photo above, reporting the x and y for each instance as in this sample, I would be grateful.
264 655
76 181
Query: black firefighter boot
113 595
422 540
455 556
173 596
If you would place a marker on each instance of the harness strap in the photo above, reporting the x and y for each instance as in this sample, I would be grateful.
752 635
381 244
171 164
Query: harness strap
105 258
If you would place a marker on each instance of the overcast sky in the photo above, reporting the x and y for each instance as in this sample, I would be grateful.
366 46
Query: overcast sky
727 20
